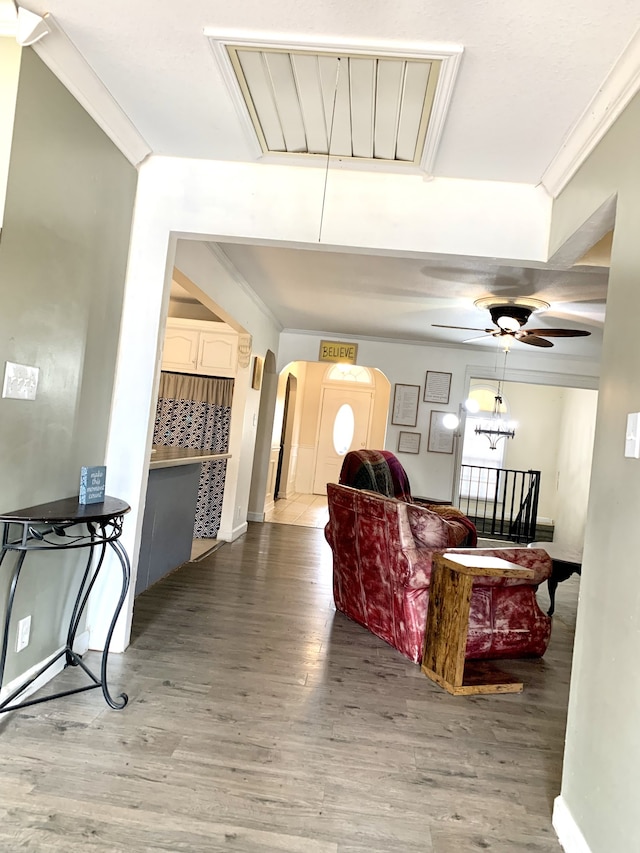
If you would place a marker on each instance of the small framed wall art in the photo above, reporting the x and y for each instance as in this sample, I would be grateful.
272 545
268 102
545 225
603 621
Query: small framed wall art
440 438
437 387
409 442
405 405
258 367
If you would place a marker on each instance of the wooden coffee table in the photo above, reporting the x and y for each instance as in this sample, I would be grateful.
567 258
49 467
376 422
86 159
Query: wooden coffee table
564 562
448 625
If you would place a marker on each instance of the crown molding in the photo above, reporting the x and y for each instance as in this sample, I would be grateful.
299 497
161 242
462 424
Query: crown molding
582 381
449 66
380 339
421 342
217 44
606 106
223 259
449 56
63 58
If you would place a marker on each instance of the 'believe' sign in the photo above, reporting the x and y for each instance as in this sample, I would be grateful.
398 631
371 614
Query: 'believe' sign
338 351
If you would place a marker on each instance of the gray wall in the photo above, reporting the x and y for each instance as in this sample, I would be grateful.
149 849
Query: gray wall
63 255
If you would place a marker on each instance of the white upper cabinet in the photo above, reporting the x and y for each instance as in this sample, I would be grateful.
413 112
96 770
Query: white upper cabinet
218 352
180 350
193 346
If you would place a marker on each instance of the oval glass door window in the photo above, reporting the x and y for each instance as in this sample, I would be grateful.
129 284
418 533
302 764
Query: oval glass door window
343 429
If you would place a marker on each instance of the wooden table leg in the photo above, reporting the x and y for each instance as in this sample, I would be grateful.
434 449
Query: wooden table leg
447 627
446 637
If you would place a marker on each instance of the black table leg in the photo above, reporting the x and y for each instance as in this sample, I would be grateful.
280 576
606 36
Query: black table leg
561 571
552 586
126 573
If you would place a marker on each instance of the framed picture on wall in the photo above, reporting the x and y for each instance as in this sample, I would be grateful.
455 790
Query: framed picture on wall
440 438
437 387
258 367
405 405
409 442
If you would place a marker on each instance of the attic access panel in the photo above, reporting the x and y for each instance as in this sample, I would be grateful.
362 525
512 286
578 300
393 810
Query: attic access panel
384 105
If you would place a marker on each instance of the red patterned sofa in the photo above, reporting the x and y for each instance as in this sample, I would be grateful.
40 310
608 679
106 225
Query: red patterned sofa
382 552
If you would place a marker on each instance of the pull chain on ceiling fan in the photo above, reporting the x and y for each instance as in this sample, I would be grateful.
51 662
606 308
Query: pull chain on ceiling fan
509 317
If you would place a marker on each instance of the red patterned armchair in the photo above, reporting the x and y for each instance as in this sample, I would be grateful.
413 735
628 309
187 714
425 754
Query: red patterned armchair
382 552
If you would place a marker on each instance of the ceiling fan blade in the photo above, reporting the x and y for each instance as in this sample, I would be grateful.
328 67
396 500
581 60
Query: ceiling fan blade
558 333
481 337
465 328
533 340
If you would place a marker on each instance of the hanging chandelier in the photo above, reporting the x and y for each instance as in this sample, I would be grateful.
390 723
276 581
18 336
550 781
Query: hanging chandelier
496 427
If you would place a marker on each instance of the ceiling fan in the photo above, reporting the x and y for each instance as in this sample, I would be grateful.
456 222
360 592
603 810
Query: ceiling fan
509 317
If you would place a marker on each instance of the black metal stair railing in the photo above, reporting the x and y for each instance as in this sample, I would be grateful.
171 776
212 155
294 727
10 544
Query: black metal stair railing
502 502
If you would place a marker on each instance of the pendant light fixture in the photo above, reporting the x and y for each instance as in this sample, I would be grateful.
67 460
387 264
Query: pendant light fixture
496 427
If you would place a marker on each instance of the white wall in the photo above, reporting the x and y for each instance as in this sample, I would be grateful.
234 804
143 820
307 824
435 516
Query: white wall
575 451
538 411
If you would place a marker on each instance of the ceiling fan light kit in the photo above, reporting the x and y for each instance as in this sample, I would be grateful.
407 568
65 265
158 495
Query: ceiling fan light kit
509 316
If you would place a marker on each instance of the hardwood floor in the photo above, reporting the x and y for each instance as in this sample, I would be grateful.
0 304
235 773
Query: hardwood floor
261 720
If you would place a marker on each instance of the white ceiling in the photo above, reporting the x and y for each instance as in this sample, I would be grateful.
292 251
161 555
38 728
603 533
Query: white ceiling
399 298
527 74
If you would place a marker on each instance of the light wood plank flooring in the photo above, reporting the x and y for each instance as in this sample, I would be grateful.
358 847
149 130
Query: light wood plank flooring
260 720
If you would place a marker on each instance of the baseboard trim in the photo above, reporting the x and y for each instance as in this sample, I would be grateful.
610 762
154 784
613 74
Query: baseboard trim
567 830
269 506
238 531
81 643
45 678
255 516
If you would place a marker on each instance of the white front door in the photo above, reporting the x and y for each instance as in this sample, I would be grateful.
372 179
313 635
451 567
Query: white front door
345 417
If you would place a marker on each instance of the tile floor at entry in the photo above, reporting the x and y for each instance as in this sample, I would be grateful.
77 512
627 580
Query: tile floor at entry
312 511
301 510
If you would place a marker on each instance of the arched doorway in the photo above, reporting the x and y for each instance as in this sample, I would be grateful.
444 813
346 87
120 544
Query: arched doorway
321 392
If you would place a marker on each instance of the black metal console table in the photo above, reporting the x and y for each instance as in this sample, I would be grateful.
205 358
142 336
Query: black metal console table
55 526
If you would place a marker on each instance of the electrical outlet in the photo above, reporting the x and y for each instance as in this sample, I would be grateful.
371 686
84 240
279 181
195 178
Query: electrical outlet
22 636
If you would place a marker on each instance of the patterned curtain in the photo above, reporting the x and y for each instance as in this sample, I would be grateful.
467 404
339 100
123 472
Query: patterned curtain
195 412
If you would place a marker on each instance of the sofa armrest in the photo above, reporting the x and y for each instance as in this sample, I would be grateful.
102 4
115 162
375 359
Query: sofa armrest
427 529
422 533
535 559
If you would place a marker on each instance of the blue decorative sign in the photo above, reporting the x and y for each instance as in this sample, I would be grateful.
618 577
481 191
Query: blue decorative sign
92 481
